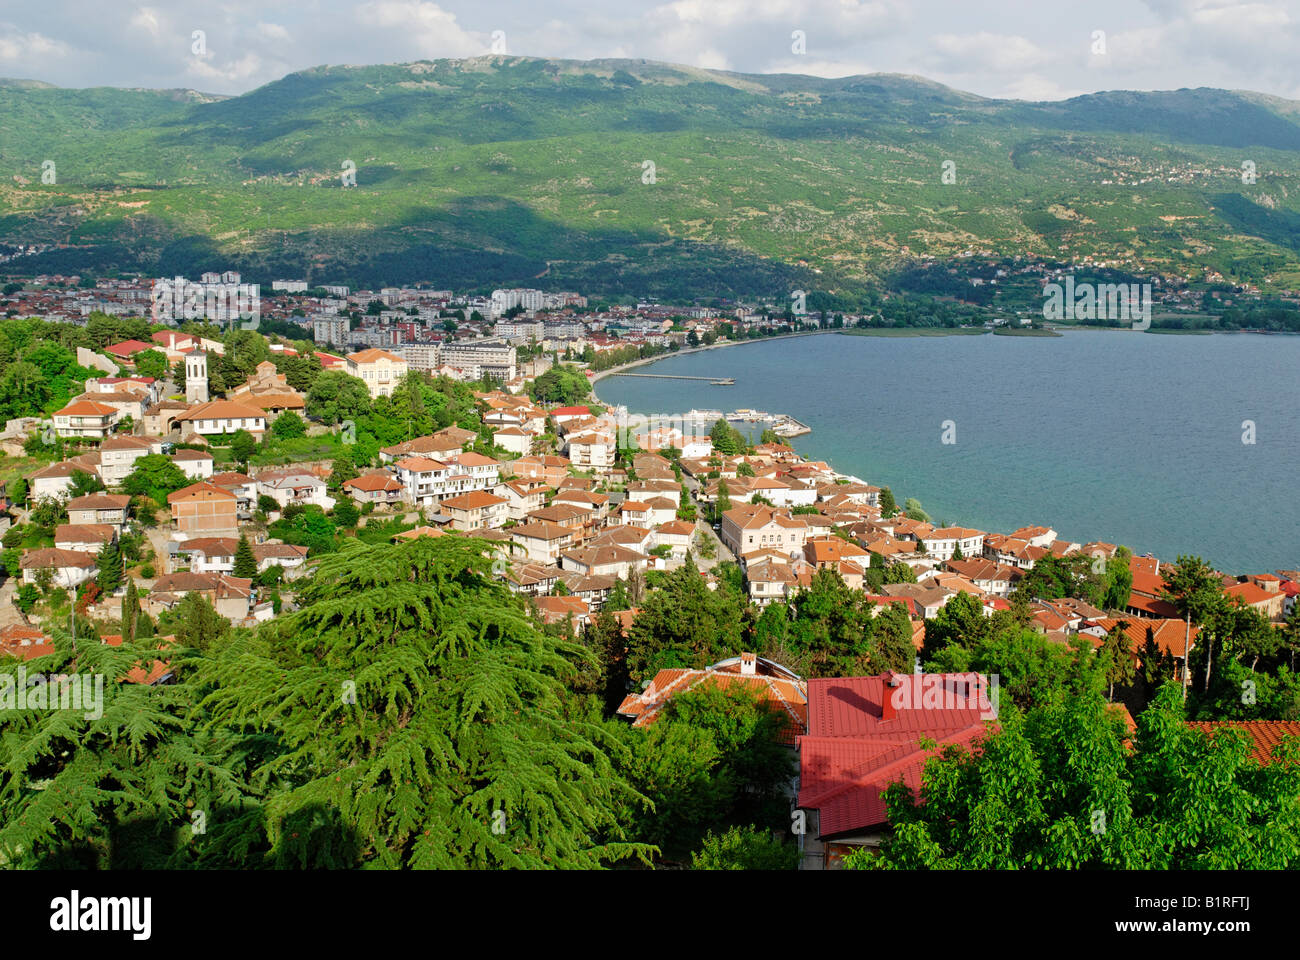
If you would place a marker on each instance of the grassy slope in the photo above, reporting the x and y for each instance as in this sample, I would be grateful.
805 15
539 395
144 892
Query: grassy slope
529 171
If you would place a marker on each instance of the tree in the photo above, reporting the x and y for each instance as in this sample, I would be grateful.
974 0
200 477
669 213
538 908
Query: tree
196 624
617 598
242 445
561 384
837 632
24 391
130 612
288 426
245 561
685 624
745 848
887 505
912 508
899 572
336 396
342 470
82 483
723 502
1195 590
412 696
109 564
155 476
606 675
1057 788
960 620
1117 654
151 363
346 514
1119 583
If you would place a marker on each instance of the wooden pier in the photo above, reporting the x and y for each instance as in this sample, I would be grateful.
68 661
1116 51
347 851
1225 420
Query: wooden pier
716 381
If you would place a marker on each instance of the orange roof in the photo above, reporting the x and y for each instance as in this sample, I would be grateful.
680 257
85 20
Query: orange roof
474 460
790 693
138 674
1265 734
557 608
373 481
201 488
222 410
1251 593
420 464
267 401
474 500
373 354
424 531
86 408
1170 635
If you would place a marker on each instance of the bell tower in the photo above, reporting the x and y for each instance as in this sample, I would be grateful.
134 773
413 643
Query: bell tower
196 377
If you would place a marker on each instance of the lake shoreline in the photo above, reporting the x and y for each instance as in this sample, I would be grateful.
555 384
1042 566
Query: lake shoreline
900 448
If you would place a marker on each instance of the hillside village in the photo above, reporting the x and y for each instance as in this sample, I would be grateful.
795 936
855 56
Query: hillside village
174 491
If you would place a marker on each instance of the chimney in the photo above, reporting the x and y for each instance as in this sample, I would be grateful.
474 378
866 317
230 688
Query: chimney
748 664
887 708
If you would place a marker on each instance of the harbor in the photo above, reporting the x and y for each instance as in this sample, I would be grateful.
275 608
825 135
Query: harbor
781 424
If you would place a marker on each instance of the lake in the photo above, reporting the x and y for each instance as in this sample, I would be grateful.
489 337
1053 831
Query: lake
1117 436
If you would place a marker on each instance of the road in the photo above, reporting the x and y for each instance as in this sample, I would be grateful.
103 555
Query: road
721 553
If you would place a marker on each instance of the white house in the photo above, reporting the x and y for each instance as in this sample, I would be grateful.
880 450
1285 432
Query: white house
69 568
224 416
287 487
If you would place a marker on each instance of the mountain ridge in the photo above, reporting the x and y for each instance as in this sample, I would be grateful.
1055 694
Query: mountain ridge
531 165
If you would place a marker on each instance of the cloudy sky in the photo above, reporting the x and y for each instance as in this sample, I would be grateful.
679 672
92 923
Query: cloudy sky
1029 49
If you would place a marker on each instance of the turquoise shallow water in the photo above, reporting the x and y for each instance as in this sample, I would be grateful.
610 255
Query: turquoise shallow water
1124 437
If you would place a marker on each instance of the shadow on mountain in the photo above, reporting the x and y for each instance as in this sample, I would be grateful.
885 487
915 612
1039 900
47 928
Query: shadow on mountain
1219 118
1281 227
472 243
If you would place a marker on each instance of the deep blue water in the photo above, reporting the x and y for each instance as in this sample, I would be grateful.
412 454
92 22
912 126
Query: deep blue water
1118 436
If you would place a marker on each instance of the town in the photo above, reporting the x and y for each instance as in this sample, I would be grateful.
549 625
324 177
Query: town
175 484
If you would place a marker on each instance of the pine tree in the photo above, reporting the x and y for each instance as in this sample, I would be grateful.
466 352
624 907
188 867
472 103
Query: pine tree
130 610
1117 653
887 505
107 789
417 716
109 564
245 562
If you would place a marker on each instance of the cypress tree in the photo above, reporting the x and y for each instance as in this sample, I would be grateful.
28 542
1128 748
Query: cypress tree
245 562
130 610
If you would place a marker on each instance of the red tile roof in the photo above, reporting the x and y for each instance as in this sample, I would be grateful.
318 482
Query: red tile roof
1266 734
773 684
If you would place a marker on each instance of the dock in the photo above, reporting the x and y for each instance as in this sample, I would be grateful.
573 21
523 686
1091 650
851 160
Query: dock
716 381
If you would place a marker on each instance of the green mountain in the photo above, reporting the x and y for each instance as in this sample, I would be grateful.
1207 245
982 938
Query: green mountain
502 171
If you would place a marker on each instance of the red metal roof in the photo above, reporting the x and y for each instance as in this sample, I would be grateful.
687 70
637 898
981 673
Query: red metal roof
852 753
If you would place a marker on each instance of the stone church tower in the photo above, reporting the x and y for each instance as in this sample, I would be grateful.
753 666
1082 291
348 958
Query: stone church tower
196 377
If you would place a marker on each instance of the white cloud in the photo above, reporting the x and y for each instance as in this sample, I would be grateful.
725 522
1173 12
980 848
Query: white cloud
999 48
146 19
17 46
424 26
273 31
997 52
